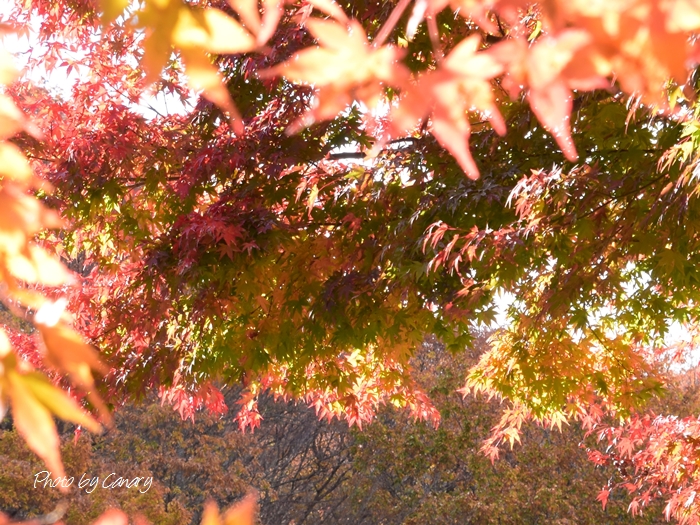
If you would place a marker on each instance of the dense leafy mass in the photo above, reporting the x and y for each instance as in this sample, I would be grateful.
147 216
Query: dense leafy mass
301 228
314 472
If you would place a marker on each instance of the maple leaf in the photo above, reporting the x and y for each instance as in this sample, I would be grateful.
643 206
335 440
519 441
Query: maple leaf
343 69
626 447
195 33
12 120
34 400
329 7
264 27
475 10
603 496
32 397
460 84
241 513
14 165
682 15
642 43
33 421
58 402
112 517
21 216
581 45
211 30
111 9
35 265
65 350
555 66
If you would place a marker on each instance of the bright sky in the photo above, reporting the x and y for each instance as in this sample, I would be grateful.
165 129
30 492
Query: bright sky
60 83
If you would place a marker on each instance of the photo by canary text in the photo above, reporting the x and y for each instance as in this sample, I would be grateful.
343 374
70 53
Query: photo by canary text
89 483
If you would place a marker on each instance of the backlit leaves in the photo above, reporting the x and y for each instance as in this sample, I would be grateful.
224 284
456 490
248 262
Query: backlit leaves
565 58
580 47
170 24
344 68
242 513
260 258
552 74
460 84
33 399
262 27
111 9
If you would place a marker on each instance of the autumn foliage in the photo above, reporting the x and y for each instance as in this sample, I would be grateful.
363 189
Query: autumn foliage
232 242
310 471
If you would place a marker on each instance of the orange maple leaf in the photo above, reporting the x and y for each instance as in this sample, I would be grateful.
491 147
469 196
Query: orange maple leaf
344 68
242 513
263 28
462 83
555 66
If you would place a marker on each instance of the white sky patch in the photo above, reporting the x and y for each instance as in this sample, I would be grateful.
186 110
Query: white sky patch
60 80
679 335
503 300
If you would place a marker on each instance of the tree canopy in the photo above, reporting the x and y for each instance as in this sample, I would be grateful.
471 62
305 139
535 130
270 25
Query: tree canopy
309 471
356 176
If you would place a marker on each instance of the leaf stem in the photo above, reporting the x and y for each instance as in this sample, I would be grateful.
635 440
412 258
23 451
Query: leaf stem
434 37
390 23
